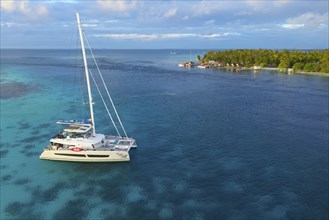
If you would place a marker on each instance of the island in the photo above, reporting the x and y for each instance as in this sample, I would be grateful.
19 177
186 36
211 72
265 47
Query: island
293 60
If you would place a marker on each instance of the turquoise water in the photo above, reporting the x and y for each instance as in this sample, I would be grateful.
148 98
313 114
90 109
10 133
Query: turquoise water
212 144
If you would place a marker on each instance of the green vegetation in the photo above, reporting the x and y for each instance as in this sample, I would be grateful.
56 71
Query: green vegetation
307 61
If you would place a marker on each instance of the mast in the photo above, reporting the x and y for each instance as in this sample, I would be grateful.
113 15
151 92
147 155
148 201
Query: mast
87 75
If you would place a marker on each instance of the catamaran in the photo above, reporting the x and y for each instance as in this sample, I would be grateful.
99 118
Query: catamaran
78 140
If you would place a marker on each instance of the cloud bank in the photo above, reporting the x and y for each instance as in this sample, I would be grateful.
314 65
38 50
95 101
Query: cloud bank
201 23
117 5
23 6
162 36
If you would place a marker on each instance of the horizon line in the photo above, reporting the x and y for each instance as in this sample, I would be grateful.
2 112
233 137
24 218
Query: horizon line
260 48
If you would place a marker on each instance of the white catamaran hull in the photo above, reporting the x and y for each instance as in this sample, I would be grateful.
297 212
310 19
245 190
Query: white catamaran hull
78 141
85 156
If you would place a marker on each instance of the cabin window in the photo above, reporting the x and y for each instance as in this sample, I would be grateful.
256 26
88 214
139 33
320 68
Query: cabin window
71 155
92 155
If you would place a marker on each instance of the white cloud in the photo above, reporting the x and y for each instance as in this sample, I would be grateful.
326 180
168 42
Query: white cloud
23 6
262 29
309 19
262 6
306 20
11 24
142 36
235 8
259 6
209 7
162 36
170 13
118 5
292 26
280 3
211 22
42 10
8 6
186 17
62 1
90 25
243 13
111 21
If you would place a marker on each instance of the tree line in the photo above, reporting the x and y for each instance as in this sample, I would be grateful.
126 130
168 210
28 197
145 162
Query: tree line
308 61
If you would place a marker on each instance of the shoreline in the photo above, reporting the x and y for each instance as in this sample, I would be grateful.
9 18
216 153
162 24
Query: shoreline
281 71
297 72
312 62
285 71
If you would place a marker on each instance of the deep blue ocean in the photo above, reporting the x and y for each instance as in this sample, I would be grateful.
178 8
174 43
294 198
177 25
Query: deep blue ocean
212 144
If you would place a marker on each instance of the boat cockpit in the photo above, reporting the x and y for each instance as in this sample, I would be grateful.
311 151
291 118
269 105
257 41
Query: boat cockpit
75 131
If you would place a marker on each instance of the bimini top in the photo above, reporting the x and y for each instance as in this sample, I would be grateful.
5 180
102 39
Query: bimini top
74 122
76 128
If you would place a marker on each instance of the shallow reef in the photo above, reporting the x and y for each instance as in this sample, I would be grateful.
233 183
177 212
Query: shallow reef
16 89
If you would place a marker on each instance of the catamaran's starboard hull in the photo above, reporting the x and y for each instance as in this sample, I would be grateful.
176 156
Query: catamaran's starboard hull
85 156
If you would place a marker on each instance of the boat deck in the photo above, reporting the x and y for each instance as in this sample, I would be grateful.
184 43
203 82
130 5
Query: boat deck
102 148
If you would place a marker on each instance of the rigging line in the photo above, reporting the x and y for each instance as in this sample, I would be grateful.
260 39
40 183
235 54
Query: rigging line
100 74
82 79
77 77
108 112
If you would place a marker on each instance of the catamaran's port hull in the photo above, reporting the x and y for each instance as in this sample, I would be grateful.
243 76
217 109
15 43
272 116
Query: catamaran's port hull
85 156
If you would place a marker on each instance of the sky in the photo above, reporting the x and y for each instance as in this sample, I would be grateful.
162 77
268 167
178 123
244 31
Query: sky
171 24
